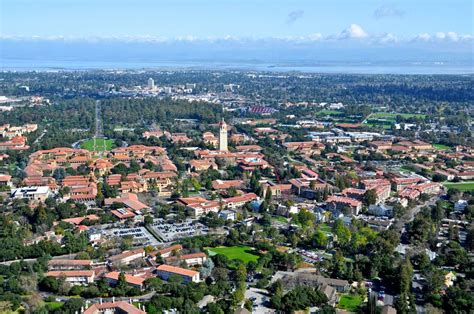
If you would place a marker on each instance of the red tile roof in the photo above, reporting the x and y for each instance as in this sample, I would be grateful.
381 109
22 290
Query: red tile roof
177 270
123 307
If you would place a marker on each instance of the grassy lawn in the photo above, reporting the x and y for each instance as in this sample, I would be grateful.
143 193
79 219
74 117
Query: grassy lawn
54 305
441 147
329 113
325 228
243 253
349 302
393 115
280 219
98 144
461 186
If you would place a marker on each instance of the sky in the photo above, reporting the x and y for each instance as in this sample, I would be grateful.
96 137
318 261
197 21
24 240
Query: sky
232 18
415 25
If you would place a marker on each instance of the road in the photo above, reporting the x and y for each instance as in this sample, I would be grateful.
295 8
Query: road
40 137
410 215
99 131
30 260
142 298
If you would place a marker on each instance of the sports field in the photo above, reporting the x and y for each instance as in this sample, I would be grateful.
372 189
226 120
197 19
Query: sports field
393 115
97 144
243 253
441 147
461 186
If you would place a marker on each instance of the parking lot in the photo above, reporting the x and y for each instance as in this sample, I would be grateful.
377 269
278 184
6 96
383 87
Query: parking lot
310 256
172 232
141 236
260 299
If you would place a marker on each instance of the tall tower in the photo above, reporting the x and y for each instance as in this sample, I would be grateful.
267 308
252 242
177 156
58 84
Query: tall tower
151 84
223 135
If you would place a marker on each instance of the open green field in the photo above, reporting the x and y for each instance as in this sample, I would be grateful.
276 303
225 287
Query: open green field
97 144
243 253
393 115
461 186
280 219
382 125
325 228
329 113
441 147
54 305
349 302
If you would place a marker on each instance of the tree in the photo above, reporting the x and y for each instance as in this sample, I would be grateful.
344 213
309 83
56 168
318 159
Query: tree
148 220
241 272
302 297
121 282
207 268
268 194
49 284
319 239
73 305
370 197
154 284
342 233
434 279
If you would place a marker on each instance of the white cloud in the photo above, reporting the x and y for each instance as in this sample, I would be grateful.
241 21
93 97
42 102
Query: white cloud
386 11
388 38
440 36
422 37
293 16
452 36
467 37
354 31
315 37
443 37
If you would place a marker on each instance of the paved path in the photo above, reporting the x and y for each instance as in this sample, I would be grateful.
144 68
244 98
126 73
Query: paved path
99 131
66 256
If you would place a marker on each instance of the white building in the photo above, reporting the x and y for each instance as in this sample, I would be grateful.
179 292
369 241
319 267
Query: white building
223 136
74 277
151 84
32 193
227 215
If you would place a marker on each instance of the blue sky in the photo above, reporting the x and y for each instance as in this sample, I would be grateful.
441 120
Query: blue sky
276 31
404 19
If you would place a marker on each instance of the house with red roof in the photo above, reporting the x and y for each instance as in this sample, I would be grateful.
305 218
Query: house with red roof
130 200
69 264
6 181
74 277
166 271
191 259
135 281
342 203
118 307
